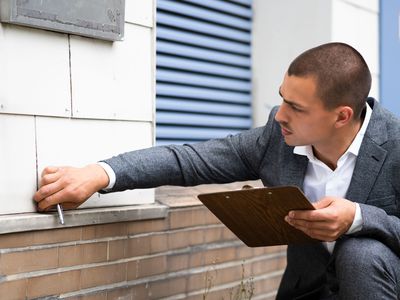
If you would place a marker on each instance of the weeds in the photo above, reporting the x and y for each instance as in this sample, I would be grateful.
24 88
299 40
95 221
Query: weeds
244 291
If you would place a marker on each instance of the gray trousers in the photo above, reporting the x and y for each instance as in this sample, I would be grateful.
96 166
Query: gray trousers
363 268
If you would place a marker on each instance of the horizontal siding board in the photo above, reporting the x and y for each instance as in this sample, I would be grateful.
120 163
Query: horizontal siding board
175 118
202 54
232 8
203 27
201 80
185 105
202 41
188 133
201 93
201 67
204 14
244 2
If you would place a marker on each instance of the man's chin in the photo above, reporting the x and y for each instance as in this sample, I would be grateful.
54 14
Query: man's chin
292 142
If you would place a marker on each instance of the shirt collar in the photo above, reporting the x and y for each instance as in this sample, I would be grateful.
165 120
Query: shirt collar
354 147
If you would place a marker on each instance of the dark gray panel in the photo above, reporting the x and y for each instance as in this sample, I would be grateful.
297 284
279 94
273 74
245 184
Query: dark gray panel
103 19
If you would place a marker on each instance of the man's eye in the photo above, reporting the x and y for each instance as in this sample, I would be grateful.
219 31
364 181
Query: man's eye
296 108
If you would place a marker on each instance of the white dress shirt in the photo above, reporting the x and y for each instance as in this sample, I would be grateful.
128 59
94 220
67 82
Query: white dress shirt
321 181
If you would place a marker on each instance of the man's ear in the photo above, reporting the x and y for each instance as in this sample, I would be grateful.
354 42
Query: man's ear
344 116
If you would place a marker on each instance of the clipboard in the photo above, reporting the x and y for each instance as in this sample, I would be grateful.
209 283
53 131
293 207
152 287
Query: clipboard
256 215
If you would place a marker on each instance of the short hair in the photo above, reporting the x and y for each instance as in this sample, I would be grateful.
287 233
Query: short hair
341 74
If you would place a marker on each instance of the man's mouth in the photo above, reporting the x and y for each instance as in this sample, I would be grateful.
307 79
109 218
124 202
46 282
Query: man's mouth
285 131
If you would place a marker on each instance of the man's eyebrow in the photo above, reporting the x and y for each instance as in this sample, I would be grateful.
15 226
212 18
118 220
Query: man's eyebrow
292 103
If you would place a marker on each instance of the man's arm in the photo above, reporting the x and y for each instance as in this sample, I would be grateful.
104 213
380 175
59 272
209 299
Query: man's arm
234 158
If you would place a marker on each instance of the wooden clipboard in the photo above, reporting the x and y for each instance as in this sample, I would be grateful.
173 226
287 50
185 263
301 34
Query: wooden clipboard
256 215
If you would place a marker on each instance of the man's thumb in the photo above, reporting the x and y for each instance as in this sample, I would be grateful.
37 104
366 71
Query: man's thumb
324 202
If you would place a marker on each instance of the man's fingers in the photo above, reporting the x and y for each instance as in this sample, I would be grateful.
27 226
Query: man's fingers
316 232
49 170
49 178
308 215
318 225
47 190
48 202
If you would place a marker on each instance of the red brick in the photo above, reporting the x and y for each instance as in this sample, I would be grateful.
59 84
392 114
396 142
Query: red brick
167 288
13 290
82 254
121 294
176 262
54 284
158 243
187 217
117 249
147 267
31 260
147 226
138 246
104 230
103 275
24 239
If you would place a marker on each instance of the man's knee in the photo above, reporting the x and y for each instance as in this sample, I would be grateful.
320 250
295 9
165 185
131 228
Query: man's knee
367 265
361 255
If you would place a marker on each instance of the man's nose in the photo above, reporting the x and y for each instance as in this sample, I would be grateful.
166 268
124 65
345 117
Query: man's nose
280 116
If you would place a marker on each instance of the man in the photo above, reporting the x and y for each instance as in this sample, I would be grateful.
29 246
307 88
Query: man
341 148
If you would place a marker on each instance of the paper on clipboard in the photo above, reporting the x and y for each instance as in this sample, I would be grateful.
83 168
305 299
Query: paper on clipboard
256 216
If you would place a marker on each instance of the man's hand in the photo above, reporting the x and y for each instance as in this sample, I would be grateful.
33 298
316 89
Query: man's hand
331 218
69 186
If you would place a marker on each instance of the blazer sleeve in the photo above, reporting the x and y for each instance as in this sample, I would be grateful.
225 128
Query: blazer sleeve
377 224
234 158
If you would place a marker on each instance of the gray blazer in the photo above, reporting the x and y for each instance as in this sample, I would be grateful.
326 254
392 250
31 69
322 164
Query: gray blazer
261 153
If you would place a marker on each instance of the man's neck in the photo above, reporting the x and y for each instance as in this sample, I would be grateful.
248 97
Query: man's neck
329 153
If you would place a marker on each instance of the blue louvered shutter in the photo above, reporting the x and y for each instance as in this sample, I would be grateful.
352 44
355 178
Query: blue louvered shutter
203 73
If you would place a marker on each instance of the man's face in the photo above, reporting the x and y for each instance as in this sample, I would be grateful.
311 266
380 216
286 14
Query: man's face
303 118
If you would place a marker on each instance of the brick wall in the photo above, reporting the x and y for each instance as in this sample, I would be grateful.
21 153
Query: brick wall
152 259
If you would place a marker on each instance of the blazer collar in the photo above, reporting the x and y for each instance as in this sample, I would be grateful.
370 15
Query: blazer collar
371 156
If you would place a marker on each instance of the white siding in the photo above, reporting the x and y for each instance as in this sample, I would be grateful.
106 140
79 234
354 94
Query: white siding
113 80
17 163
91 99
139 12
34 74
75 142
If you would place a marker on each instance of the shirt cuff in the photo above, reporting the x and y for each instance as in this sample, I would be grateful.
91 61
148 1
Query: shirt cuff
357 222
111 175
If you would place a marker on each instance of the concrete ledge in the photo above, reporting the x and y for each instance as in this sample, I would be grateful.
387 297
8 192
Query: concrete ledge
177 197
81 217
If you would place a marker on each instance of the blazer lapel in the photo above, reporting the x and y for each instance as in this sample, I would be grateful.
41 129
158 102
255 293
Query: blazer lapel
370 157
294 168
